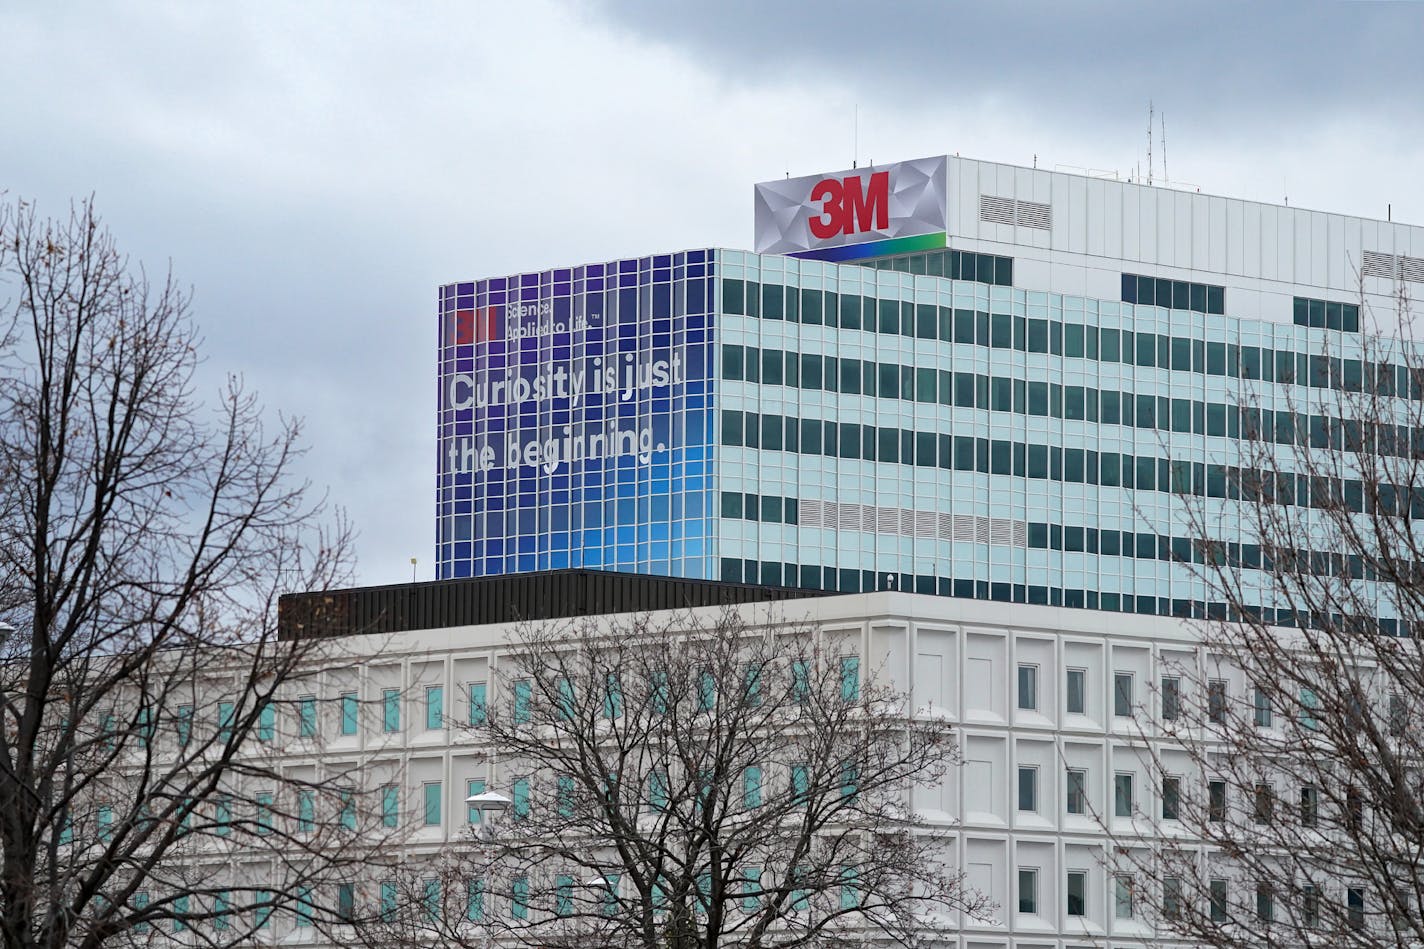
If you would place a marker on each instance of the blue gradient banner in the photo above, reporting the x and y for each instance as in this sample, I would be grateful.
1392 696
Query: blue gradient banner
575 413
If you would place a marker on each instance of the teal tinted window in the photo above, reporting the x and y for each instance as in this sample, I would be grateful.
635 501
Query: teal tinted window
434 707
431 804
390 710
349 708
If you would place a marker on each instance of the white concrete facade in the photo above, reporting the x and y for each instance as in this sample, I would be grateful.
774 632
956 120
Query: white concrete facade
957 659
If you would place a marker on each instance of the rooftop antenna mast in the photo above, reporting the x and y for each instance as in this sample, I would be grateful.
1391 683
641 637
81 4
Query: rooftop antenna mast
1149 142
1165 177
855 139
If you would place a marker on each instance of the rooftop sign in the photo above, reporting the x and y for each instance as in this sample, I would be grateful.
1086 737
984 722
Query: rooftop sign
865 212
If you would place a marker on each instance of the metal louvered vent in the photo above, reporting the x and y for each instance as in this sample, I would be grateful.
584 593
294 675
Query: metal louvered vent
996 210
1033 214
905 522
1392 266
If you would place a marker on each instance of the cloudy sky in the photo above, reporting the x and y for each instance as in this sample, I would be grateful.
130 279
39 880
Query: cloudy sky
315 171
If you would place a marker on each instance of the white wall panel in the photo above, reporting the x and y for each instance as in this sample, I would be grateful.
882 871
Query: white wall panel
1182 244
1236 237
1131 224
1336 252
1319 271
1201 231
1112 219
1253 224
1285 242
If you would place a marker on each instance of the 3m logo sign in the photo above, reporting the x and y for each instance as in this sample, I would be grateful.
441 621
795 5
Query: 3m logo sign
479 325
851 205
865 207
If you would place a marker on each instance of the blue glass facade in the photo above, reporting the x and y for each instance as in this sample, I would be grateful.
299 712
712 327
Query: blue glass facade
861 427
575 412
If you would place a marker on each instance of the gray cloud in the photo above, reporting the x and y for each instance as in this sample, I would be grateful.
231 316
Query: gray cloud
1268 62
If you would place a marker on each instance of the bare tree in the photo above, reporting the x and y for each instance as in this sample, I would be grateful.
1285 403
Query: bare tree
145 698
694 783
1287 759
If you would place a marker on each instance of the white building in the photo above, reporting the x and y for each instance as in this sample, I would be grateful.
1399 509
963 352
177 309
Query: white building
1052 707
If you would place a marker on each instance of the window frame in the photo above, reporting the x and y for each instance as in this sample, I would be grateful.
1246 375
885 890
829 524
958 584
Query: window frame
1082 791
1122 701
1028 895
1123 779
1081 878
1082 676
1027 674
1029 772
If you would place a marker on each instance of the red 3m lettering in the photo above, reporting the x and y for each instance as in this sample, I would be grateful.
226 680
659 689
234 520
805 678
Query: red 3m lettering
847 209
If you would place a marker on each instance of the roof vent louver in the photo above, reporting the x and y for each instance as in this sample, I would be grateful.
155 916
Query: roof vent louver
997 210
1392 266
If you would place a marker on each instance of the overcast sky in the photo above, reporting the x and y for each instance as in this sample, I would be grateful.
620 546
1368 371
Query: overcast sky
315 171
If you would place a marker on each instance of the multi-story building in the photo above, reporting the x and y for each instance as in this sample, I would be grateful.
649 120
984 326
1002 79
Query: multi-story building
948 376
1063 719
936 388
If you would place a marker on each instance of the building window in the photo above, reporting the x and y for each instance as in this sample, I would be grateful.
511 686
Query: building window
474 900
1122 694
346 902
1355 907
1354 810
1122 896
1122 795
523 699
1172 897
1171 797
1173 294
1309 805
306 716
1077 893
477 703
1216 801
346 813
1265 903
390 900
1216 701
390 806
520 795
751 887
473 786
1028 789
1265 804
1398 714
430 812
226 714
1077 795
519 898
1326 314
306 812
1261 703
266 721
1308 706
349 706
306 910
1028 890
390 710
1217 891
1171 698
1309 906
1028 687
434 707
1077 691
850 678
